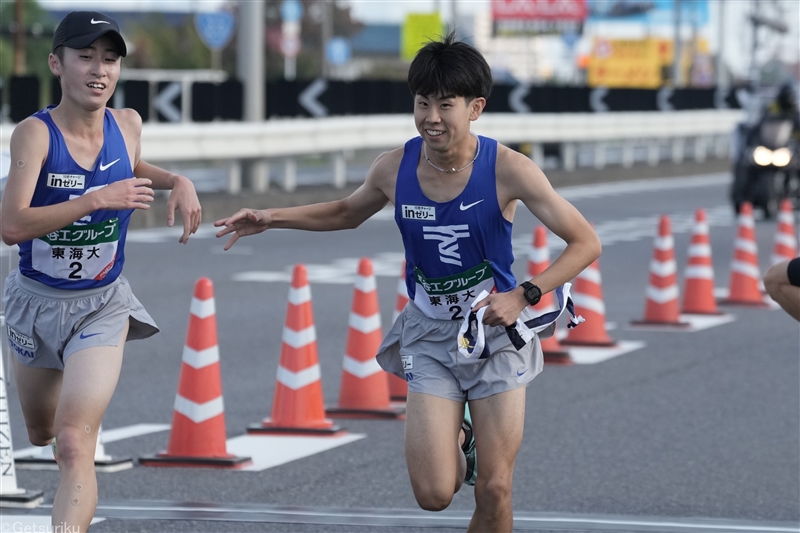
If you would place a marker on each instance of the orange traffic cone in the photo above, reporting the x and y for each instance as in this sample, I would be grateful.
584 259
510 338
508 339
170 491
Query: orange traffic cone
698 294
398 388
538 261
298 406
197 438
785 241
661 303
364 392
744 287
588 299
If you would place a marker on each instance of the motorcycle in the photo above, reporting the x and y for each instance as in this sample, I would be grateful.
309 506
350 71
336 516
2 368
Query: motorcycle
768 167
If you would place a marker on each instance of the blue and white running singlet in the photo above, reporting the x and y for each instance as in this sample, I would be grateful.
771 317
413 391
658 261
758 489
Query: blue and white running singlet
456 249
90 252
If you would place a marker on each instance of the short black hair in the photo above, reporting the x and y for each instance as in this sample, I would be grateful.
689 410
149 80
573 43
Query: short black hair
450 67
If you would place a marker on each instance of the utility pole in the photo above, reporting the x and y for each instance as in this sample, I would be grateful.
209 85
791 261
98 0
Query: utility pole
453 16
253 174
326 28
19 38
677 47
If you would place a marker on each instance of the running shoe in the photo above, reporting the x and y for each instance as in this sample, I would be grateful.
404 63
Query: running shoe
469 448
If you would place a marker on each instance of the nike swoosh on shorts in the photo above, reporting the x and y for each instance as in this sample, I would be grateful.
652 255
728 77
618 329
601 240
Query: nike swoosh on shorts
82 336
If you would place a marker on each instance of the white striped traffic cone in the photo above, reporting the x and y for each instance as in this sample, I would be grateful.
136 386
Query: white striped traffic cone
538 261
698 293
364 392
785 242
197 437
588 299
745 278
10 494
299 405
661 303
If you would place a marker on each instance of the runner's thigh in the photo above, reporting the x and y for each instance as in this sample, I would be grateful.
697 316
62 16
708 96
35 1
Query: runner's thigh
38 390
431 442
90 377
498 422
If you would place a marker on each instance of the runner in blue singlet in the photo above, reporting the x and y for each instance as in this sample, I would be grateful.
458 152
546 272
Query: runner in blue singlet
455 195
75 178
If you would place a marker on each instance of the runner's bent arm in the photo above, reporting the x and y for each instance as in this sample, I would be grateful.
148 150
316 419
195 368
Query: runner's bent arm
183 196
346 213
518 178
20 222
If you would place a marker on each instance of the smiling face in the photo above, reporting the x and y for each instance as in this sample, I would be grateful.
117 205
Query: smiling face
89 75
443 121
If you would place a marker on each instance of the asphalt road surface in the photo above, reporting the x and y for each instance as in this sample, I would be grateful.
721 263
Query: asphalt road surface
696 431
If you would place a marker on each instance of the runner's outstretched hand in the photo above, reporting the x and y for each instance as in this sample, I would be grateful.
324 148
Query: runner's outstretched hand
244 222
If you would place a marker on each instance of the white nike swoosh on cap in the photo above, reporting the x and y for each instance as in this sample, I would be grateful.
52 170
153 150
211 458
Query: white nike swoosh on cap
465 207
103 167
99 21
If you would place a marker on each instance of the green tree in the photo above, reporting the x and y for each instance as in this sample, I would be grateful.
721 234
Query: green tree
39 26
157 44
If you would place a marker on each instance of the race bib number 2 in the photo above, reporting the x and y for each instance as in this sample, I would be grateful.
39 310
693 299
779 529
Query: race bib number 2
77 252
451 297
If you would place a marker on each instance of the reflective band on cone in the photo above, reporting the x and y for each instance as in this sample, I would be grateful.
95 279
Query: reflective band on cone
588 298
785 248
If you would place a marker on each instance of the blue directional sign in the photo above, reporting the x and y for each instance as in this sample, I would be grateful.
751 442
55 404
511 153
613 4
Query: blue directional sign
291 10
215 29
338 51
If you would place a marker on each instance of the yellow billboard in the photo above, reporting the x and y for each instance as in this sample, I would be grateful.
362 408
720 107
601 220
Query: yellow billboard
629 63
418 29
643 63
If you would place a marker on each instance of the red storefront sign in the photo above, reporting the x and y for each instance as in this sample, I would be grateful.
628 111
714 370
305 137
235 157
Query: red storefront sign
564 10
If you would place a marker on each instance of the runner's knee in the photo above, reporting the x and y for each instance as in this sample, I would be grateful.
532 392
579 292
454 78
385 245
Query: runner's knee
75 446
432 499
492 492
40 435
774 278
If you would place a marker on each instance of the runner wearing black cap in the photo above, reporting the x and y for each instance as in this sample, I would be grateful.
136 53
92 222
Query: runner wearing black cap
75 179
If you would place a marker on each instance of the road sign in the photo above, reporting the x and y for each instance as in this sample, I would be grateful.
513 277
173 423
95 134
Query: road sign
309 98
215 29
168 101
291 10
338 51
290 45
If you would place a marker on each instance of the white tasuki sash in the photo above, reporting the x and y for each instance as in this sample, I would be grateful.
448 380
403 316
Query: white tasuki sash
472 334
451 297
77 252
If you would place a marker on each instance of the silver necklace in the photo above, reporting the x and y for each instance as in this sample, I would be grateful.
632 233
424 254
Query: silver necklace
452 170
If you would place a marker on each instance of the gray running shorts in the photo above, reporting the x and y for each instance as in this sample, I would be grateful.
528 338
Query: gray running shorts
46 325
424 352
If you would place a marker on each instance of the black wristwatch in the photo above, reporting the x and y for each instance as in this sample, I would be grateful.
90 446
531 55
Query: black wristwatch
532 293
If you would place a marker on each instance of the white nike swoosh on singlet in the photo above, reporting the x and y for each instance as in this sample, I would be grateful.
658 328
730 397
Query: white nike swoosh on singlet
103 167
465 207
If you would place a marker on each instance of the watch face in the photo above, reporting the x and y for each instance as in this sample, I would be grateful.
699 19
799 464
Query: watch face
533 294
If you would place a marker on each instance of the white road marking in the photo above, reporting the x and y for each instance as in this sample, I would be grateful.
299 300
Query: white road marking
696 323
585 355
268 451
110 435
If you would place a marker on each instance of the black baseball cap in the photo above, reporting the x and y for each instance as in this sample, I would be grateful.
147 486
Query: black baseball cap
80 29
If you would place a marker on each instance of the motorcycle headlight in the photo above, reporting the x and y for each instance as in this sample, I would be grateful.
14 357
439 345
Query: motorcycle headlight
781 157
762 156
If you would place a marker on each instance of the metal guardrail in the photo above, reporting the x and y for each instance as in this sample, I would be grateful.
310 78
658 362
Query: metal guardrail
256 144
